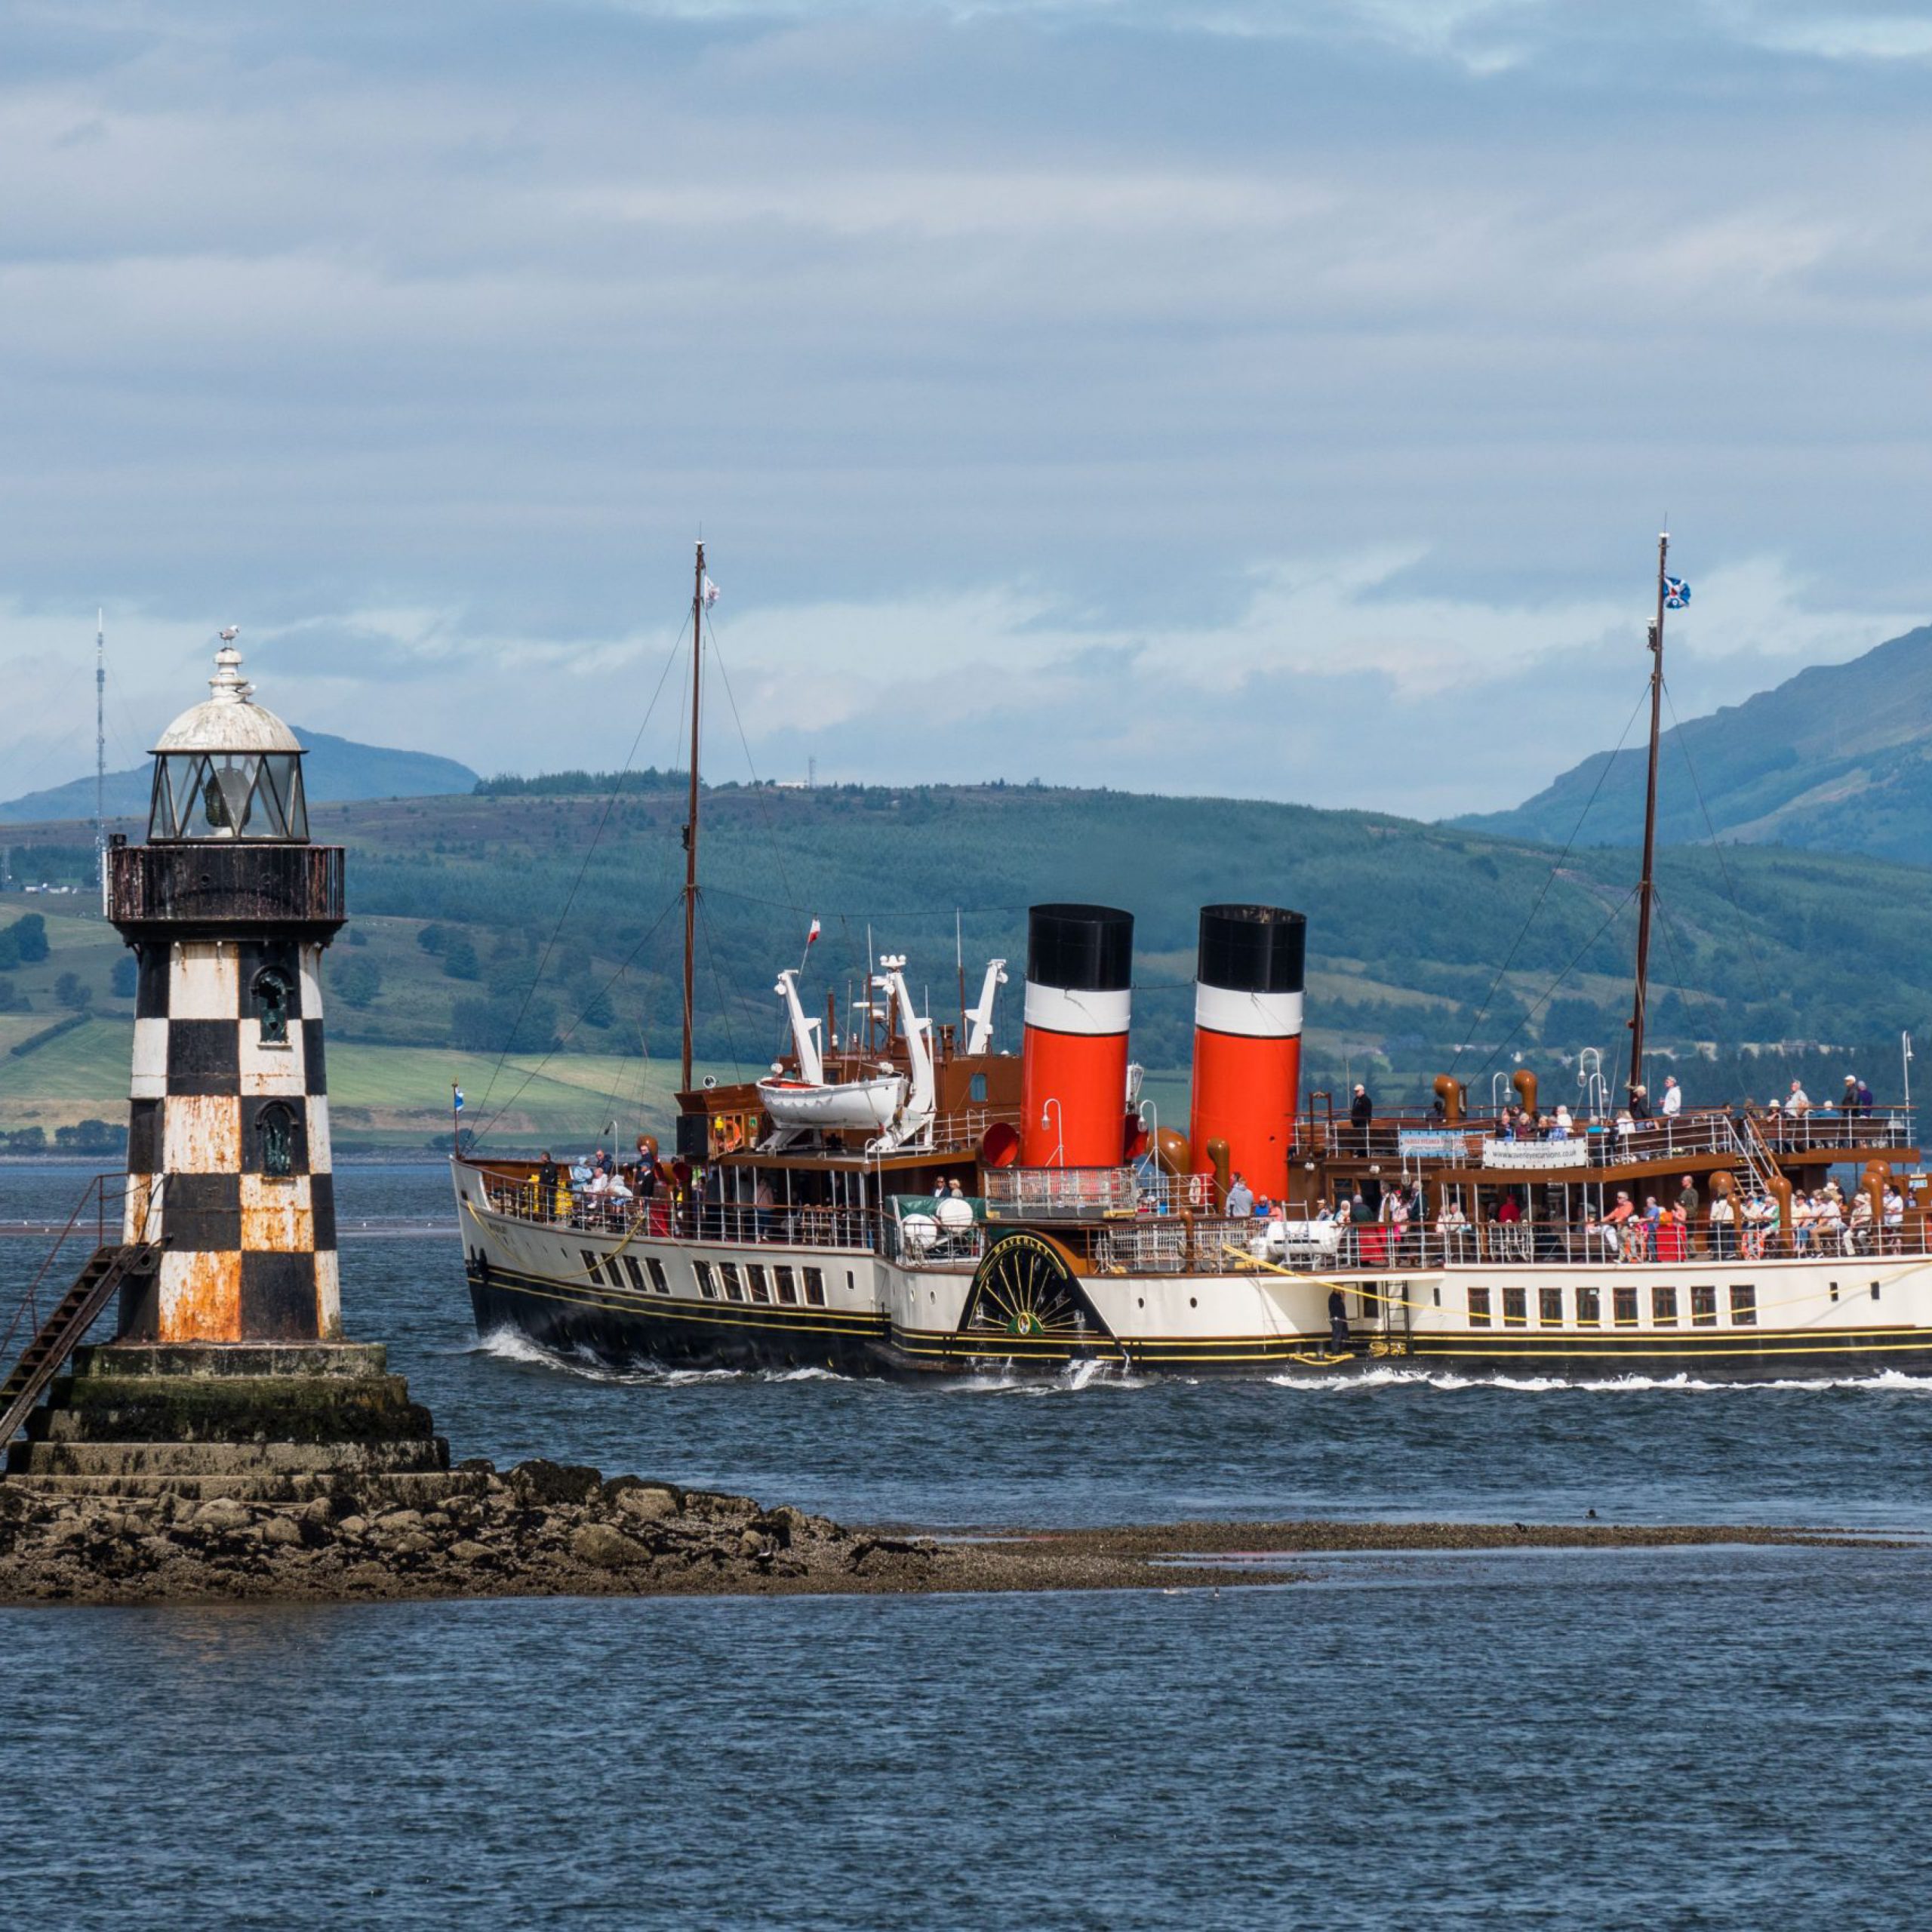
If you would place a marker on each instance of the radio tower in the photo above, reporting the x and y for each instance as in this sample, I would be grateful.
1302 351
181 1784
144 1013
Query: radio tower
100 743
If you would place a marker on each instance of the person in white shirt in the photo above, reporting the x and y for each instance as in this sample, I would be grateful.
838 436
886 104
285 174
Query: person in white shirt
1565 1126
1673 1097
1723 1218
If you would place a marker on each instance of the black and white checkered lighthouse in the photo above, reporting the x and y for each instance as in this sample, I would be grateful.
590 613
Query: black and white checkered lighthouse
227 907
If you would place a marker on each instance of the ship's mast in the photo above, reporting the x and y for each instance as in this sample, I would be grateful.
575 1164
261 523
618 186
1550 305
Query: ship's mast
1647 885
100 741
691 822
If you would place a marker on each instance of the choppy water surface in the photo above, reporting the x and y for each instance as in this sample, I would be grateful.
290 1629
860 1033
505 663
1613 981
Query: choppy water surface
1691 1737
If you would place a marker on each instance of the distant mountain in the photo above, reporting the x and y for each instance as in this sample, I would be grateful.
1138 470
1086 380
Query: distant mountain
336 772
1837 759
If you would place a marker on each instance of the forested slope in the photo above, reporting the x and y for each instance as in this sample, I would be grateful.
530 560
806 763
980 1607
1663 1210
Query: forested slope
563 908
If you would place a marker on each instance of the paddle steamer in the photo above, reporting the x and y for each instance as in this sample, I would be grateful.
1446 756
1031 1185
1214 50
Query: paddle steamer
914 1200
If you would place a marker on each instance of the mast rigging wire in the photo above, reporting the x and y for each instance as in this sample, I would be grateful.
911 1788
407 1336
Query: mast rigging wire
550 1053
1724 864
1615 913
610 801
1529 918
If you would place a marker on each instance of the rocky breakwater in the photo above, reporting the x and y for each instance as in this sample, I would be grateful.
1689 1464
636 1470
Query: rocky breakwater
539 1529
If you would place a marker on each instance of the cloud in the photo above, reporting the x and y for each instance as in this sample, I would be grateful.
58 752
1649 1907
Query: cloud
1280 371
1329 681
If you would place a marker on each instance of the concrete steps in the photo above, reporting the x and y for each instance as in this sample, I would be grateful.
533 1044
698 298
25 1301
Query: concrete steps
266 1421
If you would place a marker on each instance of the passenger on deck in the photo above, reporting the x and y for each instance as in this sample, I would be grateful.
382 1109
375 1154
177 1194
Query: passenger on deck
1858 1228
1797 1103
1640 1103
1562 1126
1452 1229
1395 1212
1241 1200
1804 1221
1830 1235
1624 1230
1723 1219
1688 1202
1894 1219
1626 1129
1671 1235
547 1173
1673 1097
1361 1115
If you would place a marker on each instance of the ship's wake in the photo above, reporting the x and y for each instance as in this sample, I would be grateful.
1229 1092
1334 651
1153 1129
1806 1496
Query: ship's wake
511 1344
1384 1377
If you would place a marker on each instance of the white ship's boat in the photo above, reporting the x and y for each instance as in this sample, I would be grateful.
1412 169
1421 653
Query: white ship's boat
865 1106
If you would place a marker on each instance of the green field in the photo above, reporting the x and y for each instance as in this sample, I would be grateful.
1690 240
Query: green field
380 1097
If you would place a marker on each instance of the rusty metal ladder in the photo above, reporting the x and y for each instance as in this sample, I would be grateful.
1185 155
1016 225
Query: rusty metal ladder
65 1327
50 1342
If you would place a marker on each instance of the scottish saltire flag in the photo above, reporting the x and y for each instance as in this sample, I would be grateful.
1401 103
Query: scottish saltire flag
1676 593
456 1098
711 593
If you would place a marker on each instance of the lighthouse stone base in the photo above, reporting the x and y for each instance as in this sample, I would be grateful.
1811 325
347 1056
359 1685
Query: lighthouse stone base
271 1421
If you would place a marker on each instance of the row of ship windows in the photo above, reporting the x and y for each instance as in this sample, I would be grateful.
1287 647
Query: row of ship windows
1665 1310
733 1281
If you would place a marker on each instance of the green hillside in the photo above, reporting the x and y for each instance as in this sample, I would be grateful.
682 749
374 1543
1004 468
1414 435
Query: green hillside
560 911
1837 759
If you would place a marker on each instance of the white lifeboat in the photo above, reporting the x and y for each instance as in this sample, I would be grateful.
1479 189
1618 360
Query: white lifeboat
868 1106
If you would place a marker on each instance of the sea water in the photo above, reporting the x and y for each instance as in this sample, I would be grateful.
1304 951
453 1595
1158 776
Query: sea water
1691 1737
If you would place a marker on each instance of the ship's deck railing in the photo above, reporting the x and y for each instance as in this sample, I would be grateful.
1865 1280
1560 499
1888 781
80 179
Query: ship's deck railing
1322 1248
1596 1145
659 1219
1061 1194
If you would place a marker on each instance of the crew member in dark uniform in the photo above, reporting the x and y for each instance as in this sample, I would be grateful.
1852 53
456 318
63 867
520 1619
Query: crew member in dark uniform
1361 1117
1338 1324
546 1188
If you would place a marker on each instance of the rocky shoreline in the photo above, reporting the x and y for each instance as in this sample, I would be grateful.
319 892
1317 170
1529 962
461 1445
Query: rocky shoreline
546 1529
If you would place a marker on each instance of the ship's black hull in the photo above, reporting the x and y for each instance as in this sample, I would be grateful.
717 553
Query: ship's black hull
678 1336
742 1338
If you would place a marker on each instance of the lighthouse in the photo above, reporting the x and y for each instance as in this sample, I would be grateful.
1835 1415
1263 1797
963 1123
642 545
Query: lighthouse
228 906
227 1375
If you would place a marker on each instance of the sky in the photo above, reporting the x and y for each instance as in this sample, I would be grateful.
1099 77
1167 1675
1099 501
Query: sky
1271 400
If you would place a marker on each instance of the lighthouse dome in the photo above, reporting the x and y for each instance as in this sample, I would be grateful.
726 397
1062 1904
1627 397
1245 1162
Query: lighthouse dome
228 767
229 720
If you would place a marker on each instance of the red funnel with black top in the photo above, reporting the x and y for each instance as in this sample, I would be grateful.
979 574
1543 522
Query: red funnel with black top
1247 1011
1073 1073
